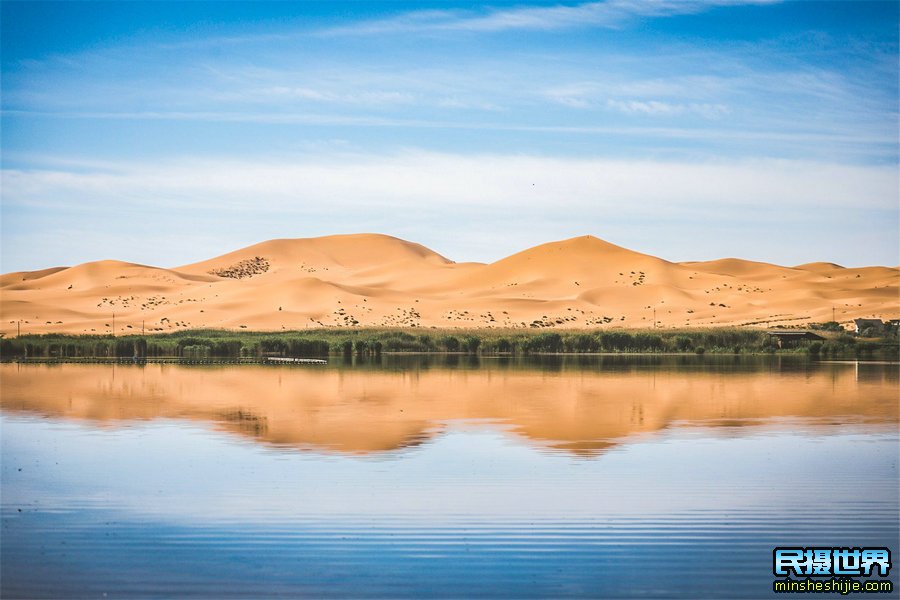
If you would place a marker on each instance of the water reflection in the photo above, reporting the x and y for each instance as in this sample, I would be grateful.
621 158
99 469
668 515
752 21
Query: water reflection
440 476
575 404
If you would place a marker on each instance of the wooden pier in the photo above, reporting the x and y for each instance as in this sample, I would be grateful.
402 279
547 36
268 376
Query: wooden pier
269 360
303 361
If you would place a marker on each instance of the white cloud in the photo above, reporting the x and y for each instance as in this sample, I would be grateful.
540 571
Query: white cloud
645 107
287 93
466 207
668 109
709 111
575 95
607 13
445 183
792 107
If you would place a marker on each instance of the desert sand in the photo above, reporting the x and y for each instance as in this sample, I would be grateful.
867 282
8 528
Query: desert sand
371 280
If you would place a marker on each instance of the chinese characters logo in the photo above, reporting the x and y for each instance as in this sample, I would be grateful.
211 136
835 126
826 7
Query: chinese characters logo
841 562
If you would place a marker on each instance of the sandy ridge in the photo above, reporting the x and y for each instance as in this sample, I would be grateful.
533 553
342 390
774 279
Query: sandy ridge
376 280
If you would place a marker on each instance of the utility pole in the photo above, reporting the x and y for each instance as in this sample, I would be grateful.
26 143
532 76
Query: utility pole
142 327
114 325
19 328
654 317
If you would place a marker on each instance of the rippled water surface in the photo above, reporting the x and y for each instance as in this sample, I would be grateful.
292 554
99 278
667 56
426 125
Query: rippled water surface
440 476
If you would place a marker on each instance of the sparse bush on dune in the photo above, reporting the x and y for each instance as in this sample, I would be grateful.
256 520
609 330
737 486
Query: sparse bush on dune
243 269
827 326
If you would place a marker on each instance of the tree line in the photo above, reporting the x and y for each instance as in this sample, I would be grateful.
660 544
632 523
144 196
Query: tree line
321 343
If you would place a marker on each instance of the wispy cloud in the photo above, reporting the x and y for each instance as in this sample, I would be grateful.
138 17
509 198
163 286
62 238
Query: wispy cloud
668 103
431 197
285 93
657 108
725 95
773 126
413 178
607 13
803 139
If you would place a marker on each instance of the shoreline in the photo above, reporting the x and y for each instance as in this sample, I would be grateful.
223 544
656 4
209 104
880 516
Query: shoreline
201 345
175 360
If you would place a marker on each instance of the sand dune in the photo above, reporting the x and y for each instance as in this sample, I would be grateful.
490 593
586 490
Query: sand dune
371 280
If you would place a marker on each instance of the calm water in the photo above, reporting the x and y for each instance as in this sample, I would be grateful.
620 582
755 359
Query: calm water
423 476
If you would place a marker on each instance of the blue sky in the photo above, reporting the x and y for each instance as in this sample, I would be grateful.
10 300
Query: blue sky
165 133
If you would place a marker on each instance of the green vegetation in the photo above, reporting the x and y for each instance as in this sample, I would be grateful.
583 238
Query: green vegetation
827 326
205 344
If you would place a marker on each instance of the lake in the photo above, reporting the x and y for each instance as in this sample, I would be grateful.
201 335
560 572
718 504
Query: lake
441 476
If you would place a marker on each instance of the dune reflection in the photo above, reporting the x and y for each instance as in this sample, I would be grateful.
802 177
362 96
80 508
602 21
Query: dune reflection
367 411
